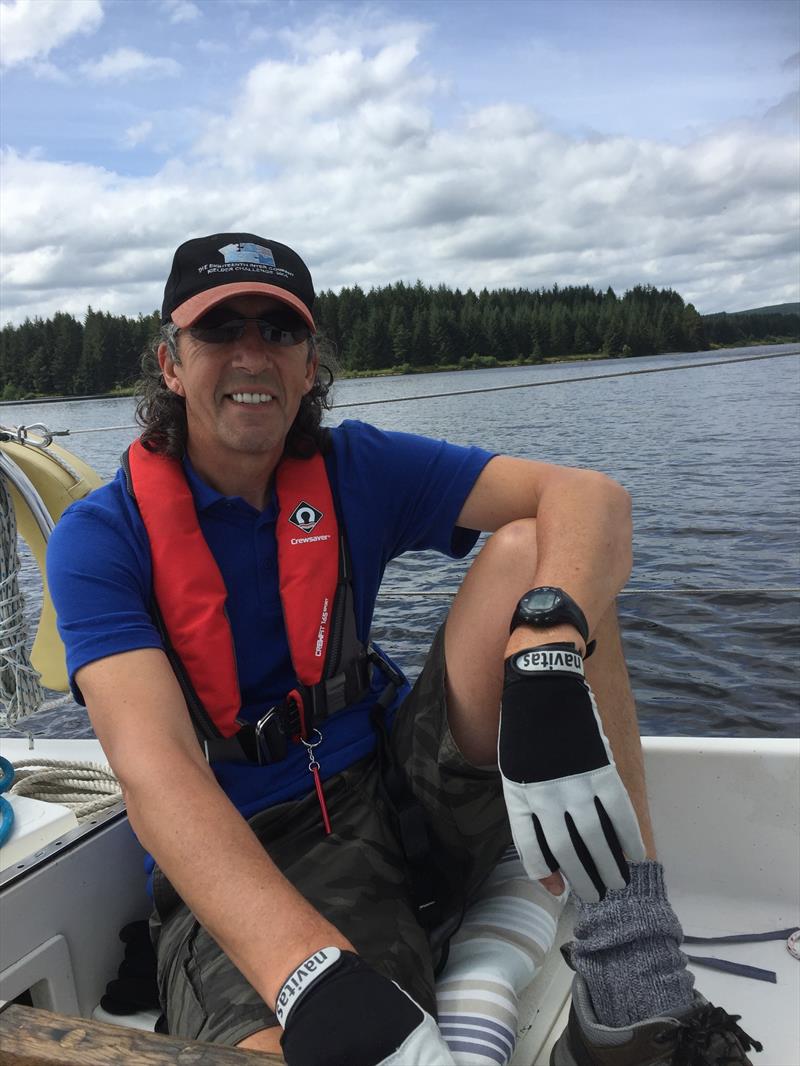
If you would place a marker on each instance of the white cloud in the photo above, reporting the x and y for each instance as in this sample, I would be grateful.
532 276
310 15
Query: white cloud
136 134
181 10
31 29
125 63
48 71
360 28
344 99
212 47
339 154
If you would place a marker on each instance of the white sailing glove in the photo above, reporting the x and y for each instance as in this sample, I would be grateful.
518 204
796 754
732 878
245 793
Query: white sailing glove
335 1009
567 806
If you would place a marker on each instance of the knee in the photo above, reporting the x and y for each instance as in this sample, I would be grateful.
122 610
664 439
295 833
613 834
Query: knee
514 543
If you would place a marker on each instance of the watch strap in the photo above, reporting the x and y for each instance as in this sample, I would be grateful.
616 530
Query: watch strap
566 611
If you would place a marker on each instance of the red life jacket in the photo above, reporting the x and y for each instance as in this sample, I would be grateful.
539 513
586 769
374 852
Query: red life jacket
330 663
332 666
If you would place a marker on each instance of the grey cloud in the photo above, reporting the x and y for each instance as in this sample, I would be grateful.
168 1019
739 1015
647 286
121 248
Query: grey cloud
444 201
787 108
507 242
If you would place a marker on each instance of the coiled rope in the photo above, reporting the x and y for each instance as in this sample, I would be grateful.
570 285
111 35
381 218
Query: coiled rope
20 691
85 787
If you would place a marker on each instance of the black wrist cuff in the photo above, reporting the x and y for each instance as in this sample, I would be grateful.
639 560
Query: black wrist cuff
348 1014
562 657
547 725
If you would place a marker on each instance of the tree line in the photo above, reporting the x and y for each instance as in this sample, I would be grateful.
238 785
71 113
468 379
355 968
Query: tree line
401 326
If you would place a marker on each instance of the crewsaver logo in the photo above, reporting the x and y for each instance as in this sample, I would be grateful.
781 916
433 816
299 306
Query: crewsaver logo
305 517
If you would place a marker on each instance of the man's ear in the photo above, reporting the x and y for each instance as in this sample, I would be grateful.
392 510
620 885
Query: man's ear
167 363
312 365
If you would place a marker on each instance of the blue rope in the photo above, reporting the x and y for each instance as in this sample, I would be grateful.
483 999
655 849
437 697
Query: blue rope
739 968
6 810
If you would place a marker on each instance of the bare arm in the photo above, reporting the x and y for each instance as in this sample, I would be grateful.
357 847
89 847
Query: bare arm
184 819
583 528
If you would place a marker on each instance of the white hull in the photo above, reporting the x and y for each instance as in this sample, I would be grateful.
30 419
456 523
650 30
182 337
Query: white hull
726 815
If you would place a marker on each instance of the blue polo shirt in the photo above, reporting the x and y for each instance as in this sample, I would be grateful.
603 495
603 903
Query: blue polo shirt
396 492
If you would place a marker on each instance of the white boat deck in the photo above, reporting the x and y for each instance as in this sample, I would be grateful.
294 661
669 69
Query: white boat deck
726 816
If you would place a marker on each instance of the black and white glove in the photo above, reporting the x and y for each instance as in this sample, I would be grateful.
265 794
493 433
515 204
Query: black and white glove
567 806
337 1010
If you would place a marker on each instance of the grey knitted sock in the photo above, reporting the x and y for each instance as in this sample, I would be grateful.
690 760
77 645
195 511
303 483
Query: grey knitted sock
627 949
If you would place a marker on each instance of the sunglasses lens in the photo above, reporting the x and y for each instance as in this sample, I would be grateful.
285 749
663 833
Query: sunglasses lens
222 325
283 327
277 334
223 334
217 316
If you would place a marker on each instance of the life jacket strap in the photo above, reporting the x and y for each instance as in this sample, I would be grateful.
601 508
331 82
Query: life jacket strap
267 740
332 694
263 742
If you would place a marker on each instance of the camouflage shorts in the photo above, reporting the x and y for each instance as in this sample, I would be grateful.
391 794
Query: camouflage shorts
356 877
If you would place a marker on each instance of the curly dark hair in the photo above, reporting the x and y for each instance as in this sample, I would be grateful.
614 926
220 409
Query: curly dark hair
162 413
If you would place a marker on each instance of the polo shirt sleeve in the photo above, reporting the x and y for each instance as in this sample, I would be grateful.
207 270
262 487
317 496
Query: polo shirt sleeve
99 583
406 490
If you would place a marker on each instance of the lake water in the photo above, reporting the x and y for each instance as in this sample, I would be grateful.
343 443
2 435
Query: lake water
711 615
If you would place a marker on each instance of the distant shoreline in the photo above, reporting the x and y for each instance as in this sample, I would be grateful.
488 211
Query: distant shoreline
391 372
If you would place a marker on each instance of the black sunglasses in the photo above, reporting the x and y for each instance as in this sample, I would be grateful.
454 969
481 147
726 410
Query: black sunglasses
222 326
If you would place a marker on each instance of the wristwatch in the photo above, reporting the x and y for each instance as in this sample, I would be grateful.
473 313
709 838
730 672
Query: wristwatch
548 606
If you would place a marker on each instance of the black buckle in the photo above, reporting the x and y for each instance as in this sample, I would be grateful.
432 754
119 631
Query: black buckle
394 676
271 741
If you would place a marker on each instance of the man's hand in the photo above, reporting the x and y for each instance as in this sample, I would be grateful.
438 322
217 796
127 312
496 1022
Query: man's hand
567 806
336 1009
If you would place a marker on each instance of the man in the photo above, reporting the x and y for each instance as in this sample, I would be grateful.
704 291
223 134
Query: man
297 799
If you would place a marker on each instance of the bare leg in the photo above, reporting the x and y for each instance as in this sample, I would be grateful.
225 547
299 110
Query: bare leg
608 676
475 642
264 1040
476 635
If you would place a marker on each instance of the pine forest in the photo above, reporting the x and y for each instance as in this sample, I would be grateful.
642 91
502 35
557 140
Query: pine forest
401 328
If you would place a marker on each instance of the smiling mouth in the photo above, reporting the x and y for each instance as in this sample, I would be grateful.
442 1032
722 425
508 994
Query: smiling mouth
251 398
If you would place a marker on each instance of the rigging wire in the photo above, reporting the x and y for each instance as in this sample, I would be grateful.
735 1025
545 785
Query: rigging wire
788 590
566 381
497 388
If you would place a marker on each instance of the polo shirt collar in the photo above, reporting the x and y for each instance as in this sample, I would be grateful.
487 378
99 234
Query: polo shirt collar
205 497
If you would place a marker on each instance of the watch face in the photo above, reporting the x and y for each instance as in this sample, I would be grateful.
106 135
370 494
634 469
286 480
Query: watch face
548 605
544 599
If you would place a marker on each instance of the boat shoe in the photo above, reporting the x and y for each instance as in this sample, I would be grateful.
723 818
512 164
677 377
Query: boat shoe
700 1035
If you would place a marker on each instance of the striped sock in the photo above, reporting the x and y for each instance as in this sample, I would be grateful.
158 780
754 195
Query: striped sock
504 938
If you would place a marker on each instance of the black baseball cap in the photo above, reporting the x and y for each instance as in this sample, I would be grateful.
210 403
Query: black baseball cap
206 271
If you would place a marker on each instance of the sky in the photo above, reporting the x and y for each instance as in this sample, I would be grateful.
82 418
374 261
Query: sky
511 143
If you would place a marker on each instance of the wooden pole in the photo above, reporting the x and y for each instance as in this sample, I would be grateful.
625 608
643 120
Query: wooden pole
33 1037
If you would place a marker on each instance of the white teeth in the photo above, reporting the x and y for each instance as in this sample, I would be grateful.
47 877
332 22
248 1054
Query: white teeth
251 397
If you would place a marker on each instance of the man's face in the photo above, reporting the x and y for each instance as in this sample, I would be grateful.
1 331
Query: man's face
241 396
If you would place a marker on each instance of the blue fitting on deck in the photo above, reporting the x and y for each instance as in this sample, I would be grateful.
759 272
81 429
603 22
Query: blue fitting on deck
6 810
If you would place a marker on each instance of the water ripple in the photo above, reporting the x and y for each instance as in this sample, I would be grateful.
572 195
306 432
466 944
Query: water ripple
710 457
